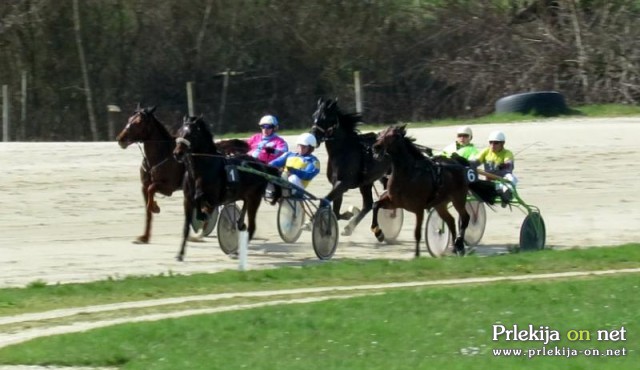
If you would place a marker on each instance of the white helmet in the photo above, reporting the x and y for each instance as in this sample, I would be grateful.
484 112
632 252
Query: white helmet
268 120
307 139
465 130
497 136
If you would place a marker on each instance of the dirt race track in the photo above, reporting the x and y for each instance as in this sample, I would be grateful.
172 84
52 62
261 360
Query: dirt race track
69 211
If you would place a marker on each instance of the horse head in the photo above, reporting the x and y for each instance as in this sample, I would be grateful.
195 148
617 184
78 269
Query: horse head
325 119
193 137
138 127
387 139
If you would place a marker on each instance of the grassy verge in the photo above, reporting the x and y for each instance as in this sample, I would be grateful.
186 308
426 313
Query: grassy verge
40 297
417 328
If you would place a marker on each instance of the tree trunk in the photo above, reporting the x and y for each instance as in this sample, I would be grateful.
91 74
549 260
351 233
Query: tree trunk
85 73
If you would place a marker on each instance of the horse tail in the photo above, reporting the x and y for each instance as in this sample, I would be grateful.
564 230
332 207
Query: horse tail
485 190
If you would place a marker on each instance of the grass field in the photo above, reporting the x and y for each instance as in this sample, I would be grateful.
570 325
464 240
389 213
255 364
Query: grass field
416 328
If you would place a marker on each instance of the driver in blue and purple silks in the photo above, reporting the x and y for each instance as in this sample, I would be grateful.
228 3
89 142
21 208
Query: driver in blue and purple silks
267 145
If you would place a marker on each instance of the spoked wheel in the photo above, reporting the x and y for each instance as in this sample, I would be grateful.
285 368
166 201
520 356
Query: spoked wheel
532 232
477 222
324 235
210 224
437 235
290 219
390 221
228 228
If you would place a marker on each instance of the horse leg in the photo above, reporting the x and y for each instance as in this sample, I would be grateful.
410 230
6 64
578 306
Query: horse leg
241 225
463 221
188 218
417 232
144 238
335 196
383 202
367 203
152 205
252 211
451 224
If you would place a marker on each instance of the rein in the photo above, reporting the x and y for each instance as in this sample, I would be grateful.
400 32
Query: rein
148 167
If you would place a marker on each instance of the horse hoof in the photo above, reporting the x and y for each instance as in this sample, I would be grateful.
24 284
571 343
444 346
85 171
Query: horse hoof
154 208
242 227
179 258
347 231
141 240
346 216
196 238
380 236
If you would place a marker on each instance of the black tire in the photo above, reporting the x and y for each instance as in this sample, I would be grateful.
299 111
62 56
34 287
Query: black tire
228 229
324 234
390 221
436 235
540 103
532 232
290 219
477 222
210 224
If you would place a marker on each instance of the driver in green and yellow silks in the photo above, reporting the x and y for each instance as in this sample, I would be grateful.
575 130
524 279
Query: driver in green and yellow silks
463 145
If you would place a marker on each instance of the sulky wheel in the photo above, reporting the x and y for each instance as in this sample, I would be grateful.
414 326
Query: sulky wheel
290 219
477 222
437 235
532 232
228 228
324 234
210 224
390 221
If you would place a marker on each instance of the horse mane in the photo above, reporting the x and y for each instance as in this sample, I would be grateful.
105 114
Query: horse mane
148 111
204 128
414 151
348 121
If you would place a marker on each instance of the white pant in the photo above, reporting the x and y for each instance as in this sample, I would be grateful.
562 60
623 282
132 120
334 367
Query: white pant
294 179
506 186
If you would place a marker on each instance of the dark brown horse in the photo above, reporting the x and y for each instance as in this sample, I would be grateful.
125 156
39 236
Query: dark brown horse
351 164
159 172
418 183
211 180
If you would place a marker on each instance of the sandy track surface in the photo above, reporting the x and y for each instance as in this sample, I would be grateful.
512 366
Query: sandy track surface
69 211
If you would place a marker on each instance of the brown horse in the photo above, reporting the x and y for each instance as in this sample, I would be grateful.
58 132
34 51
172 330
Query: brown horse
211 180
159 172
418 183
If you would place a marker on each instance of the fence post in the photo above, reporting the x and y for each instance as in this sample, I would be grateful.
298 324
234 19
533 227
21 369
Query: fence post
358 87
5 113
112 111
190 98
23 106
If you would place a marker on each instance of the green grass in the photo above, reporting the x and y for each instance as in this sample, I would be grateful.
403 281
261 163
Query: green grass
39 297
418 328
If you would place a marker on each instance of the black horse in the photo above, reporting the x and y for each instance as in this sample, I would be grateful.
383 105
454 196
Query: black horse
207 184
418 182
351 163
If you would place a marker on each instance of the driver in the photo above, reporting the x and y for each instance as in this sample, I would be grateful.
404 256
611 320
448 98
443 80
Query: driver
266 145
463 145
300 166
498 161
